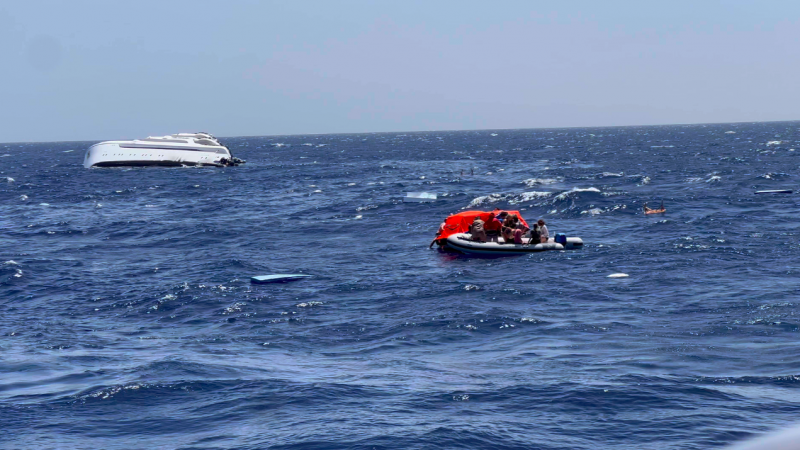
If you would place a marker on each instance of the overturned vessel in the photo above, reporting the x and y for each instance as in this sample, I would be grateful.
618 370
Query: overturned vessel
454 235
182 149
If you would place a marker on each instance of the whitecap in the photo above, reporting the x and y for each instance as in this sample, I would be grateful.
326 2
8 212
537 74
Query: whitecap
531 182
771 143
528 196
68 151
317 192
358 217
611 175
308 304
486 199
730 132
564 195
593 212
618 275
44 204
471 287
5 155
18 274
23 197
493 134
10 180
714 179
11 262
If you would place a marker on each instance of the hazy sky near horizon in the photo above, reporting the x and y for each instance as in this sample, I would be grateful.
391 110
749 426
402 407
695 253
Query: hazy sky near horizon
94 70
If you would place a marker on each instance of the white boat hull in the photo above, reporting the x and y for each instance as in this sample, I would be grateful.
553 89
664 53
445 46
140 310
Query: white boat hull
112 154
463 243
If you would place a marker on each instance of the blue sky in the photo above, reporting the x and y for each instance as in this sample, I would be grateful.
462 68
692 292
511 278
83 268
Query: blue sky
93 70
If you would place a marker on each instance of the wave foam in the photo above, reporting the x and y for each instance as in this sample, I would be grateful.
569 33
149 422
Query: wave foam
566 194
531 182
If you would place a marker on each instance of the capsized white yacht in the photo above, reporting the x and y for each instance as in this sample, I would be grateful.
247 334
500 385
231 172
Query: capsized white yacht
182 149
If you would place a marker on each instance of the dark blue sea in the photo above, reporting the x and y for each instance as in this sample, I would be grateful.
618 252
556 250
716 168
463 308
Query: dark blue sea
129 321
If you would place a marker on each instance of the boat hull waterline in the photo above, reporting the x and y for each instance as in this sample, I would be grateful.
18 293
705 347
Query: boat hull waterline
463 243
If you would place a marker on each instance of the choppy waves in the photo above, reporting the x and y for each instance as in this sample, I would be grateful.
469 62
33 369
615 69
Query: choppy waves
127 294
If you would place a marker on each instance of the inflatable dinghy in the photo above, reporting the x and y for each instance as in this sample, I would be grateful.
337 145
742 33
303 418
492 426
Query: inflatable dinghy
463 243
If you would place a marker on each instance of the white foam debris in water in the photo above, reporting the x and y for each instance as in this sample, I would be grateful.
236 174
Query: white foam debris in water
317 191
23 197
471 287
358 217
5 155
9 179
351 184
11 262
308 304
44 204
494 134
730 132
593 211
714 179
771 143
68 151
618 275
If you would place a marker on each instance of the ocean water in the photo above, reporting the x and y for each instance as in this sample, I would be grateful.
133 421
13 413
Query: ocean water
128 319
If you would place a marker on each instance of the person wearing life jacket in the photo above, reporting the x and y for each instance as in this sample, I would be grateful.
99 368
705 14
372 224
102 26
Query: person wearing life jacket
492 225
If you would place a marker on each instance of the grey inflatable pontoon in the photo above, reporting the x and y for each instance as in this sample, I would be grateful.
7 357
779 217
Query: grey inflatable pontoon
463 242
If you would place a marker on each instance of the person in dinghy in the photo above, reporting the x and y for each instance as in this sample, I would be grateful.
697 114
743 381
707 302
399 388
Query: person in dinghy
468 232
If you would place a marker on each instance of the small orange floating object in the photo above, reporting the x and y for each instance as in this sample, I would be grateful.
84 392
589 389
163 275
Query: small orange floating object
655 211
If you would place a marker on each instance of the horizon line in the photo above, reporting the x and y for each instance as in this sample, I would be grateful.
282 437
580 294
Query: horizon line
438 131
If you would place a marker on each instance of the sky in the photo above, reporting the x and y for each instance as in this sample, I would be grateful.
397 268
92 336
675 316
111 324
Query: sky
96 70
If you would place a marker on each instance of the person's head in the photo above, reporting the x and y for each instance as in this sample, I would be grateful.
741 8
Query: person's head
541 222
502 215
491 215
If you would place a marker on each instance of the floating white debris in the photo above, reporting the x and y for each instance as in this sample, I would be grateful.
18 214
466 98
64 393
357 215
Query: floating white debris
618 275
10 180
279 278
771 143
420 197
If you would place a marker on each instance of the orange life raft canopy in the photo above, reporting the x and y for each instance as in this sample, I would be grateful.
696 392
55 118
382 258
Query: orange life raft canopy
459 223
